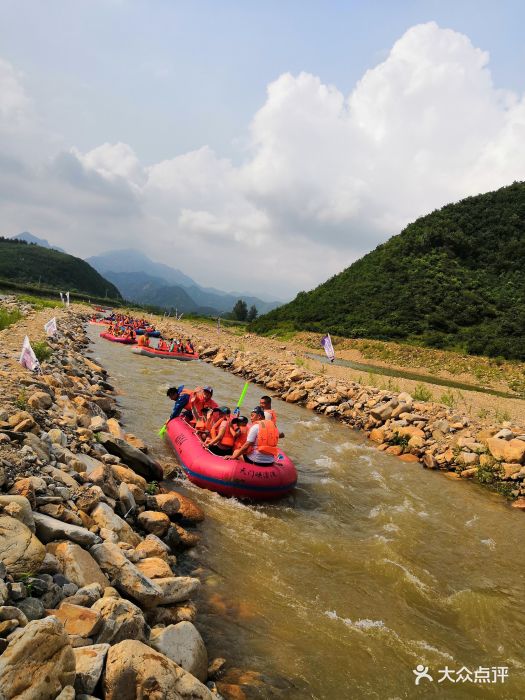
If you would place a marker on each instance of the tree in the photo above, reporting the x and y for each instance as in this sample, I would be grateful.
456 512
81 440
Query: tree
252 314
240 310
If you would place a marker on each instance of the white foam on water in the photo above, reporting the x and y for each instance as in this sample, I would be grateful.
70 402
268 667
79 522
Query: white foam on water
423 514
490 543
376 476
428 647
343 447
361 625
375 511
383 539
470 523
366 458
408 575
391 527
324 462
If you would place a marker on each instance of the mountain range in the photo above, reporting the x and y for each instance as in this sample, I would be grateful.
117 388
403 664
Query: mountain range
452 279
29 238
142 280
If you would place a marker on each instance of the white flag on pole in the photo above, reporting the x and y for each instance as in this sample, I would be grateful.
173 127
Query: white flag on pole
61 297
28 358
326 342
51 327
219 324
67 298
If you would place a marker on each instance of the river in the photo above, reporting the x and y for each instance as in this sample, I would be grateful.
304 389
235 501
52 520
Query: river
372 567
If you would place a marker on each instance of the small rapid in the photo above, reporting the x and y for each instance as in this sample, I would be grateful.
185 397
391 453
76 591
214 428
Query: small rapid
371 567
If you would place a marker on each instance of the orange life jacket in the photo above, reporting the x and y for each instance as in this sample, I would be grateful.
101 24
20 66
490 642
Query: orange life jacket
273 415
227 438
267 438
240 437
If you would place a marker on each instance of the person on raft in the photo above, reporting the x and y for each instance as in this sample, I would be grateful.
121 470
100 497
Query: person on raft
265 403
221 440
260 447
181 399
143 340
202 398
203 428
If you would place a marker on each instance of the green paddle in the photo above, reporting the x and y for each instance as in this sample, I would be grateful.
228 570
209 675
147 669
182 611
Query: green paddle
162 431
241 398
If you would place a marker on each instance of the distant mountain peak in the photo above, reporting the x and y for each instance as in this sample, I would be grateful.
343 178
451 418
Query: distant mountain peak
30 238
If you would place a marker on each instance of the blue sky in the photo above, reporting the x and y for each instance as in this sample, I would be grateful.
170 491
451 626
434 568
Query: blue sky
167 76
254 145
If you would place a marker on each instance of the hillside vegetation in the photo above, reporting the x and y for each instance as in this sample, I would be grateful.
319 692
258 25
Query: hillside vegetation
452 279
29 263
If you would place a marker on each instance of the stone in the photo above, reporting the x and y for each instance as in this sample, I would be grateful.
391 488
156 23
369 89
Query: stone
98 424
128 476
38 663
134 670
154 522
468 458
136 442
77 564
377 435
188 510
68 693
63 478
137 460
172 614
86 596
18 507
518 503
121 619
18 417
103 477
408 458
509 470
469 473
504 434
175 589
152 546
507 450
295 395
154 567
89 497
89 663
126 498
20 551
60 512
9 612
49 529
57 437
183 644
429 461
178 538
32 608
40 400
395 450
104 516
125 575
25 425
77 620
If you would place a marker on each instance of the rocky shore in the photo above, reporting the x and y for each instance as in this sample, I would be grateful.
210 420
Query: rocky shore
91 604
428 433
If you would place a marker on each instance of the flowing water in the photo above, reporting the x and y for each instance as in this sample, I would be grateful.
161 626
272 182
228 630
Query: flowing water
372 567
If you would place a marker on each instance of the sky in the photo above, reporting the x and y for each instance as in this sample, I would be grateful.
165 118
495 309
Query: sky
261 146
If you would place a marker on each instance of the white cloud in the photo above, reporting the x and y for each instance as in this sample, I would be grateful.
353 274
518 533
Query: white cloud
326 176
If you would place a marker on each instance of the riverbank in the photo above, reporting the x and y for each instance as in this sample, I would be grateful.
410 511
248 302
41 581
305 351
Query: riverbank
91 601
466 439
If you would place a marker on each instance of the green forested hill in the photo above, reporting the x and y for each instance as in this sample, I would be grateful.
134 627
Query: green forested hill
452 279
23 262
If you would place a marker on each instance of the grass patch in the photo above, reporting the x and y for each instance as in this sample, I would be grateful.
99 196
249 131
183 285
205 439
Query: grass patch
421 393
39 303
42 351
7 318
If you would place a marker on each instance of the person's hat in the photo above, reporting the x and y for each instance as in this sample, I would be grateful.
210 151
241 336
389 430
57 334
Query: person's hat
224 409
259 411
208 388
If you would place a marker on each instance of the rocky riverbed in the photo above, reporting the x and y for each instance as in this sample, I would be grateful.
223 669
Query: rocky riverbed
91 601
427 433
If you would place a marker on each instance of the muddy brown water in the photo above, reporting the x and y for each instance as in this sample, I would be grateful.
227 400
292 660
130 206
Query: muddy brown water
372 567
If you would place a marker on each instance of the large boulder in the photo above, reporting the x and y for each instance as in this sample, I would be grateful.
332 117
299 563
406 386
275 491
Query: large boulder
18 507
49 530
89 663
137 460
38 663
105 517
125 575
183 644
122 619
134 670
507 450
77 564
78 620
20 551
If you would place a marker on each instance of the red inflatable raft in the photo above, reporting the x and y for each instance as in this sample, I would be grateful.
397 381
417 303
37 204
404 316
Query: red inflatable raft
163 354
229 477
117 339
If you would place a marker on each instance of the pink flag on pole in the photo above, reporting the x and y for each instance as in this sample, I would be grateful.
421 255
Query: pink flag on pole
326 342
28 358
